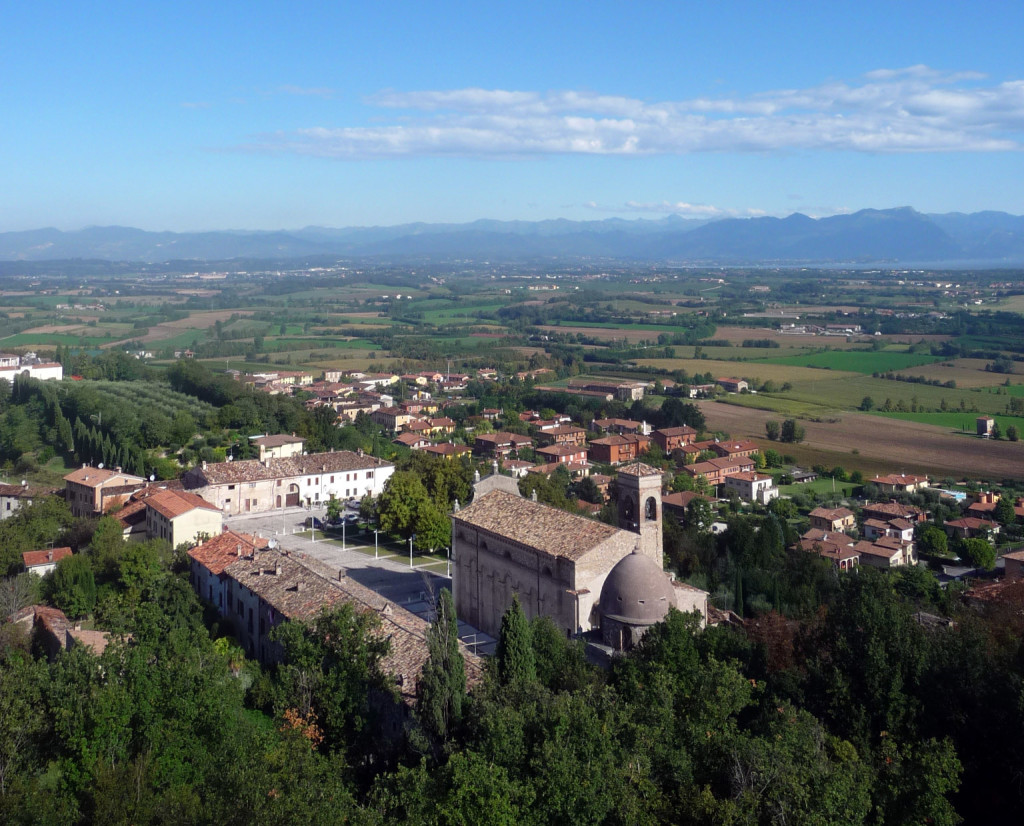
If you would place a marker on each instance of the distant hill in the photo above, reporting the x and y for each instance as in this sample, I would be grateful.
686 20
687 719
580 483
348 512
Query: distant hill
871 235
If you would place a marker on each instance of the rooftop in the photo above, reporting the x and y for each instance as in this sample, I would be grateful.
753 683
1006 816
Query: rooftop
541 527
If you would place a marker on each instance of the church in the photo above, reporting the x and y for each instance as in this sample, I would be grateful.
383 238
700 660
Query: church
583 574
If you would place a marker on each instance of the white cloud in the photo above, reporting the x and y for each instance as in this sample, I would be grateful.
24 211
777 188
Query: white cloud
915 109
682 208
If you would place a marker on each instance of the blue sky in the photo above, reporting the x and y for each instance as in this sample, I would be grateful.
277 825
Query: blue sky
264 115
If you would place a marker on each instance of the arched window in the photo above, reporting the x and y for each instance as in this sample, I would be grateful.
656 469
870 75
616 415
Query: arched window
650 509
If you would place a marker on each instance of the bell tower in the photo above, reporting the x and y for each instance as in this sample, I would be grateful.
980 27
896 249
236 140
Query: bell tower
639 507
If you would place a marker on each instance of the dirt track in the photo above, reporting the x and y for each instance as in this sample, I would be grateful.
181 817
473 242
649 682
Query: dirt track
890 443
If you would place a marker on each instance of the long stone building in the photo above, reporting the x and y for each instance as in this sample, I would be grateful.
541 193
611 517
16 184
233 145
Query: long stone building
253 486
555 562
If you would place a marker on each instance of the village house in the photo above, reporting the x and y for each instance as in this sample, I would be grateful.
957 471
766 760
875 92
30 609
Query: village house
413 441
673 438
735 448
392 419
252 486
893 510
752 486
614 450
899 483
562 434
833 520
969 527
499 445
621 426
836 548
886 552
43 562
563 454
15 497
92 491
180 517
627 391
676 504
732 385
278 446
715 470
447 450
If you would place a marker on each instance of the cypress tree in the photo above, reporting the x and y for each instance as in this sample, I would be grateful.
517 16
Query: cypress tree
442 687
516 663
738 594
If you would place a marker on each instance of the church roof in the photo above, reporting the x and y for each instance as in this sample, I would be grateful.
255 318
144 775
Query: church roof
546 529
638 469
637 591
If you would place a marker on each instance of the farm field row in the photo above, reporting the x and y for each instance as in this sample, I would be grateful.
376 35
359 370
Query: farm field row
760 370
961 422
856 361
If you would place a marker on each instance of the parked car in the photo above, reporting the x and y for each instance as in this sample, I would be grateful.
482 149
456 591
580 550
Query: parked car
313 522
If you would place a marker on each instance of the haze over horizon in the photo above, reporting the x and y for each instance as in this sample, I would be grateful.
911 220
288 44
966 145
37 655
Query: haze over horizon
258 117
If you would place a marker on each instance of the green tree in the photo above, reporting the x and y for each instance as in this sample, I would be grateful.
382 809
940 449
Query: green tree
442 686
1012 433
867 403
1005 513
401 502
932 540
791 431
978 552
334 508
514 654
771 429
74 586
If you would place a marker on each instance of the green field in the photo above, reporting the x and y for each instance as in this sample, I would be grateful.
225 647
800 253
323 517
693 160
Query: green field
53 339
856 361
964 422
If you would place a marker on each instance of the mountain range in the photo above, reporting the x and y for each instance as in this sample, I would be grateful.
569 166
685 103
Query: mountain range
892 236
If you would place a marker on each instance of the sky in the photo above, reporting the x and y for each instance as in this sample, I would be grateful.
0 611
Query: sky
267 115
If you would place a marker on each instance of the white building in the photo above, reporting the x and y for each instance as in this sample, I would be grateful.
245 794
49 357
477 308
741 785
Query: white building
252 486
752 486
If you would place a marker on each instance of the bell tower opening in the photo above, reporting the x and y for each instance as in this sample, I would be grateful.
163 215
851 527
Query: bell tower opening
639 507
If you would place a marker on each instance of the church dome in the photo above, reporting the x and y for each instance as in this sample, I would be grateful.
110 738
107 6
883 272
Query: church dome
637 591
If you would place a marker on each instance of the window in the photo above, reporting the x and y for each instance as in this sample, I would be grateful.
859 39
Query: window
369 474
279 483
332 480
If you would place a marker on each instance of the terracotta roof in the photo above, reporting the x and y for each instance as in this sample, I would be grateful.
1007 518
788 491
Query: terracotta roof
638 469
34 559
682 430
217 553
17 490
682 499
173 503
94 477
749 476
562 450
898 479
278 440
541 527
832 514
253 470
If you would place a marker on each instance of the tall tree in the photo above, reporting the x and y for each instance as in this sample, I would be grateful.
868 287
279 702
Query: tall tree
442 687
516 663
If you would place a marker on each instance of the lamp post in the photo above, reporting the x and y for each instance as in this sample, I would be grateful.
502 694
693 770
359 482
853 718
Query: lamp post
375 543
343 534
411 538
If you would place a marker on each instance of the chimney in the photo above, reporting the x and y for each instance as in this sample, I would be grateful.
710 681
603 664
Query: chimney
238 550
49 556
118 468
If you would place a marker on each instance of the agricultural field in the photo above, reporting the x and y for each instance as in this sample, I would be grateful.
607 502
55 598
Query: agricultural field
959 422
861 441
760 370
857 361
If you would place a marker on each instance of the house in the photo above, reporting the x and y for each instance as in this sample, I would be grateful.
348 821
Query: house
181 517
614 450
92 491
834 520
676 504
627 391
500 444
893 510
732 385
15 497
970 527
673 438
252 486
557 563
413 441
752 486
621 426
447 450
697 391
1014 565
899 483
391 419
836 548
278 446
562 434
12 366
895 528
517 468
41 563
715 470
735 448
985 505
563 454
985 426
886 552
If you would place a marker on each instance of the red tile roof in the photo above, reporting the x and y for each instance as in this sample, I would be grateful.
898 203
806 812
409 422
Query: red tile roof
33 559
